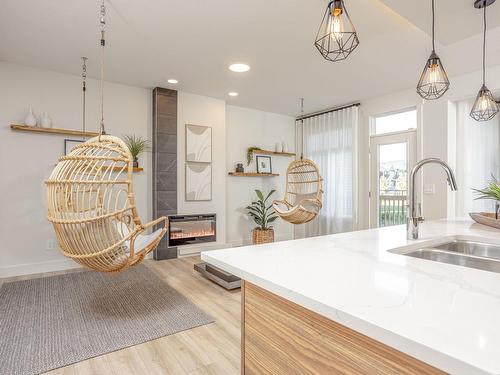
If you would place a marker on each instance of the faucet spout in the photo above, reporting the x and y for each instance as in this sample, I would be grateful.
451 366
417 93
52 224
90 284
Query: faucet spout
414 215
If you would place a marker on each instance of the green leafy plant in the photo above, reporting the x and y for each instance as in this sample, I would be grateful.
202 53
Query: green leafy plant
492 191
136 144
261 213
250 151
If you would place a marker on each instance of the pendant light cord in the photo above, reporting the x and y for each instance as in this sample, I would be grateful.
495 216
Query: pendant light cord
103 44
84 89
433 22
484 44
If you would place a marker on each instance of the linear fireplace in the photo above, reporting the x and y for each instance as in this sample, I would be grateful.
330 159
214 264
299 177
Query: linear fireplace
191 229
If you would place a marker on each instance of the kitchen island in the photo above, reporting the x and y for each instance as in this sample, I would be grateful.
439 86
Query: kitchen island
352 303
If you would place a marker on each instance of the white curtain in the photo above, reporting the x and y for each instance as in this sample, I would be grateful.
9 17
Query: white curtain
330 141
478 157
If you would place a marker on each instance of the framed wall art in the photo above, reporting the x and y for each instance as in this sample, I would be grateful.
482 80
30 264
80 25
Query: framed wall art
263 164
198 182
69 144
198 143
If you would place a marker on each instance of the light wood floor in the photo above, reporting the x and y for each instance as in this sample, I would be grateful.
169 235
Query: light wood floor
211 349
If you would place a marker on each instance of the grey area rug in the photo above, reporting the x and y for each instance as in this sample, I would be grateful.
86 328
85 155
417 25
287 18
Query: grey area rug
51 322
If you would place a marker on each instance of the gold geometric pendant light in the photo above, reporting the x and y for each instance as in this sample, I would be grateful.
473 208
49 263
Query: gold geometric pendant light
434 81
336 37
485 106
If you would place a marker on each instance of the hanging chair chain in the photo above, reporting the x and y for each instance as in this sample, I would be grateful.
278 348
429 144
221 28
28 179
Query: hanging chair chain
302 126
103 44
84 89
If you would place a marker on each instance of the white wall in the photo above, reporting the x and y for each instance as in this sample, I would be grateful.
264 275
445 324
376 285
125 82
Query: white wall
27 159
202 110
247 128
436 120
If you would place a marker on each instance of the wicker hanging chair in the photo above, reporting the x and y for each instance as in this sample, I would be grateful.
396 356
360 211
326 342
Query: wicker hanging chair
303 196
91 206
91 201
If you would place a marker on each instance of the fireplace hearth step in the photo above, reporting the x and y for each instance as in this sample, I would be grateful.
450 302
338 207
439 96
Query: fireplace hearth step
218 276
226 276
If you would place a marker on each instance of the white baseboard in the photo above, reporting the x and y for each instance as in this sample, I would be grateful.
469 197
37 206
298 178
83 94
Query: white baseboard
34 268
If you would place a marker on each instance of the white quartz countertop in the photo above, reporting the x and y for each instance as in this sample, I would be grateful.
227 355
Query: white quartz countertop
445 315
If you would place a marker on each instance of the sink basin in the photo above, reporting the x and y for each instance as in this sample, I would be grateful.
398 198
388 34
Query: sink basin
480 255
480 249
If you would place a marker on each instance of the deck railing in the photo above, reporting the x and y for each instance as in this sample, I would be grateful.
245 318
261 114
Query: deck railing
392 207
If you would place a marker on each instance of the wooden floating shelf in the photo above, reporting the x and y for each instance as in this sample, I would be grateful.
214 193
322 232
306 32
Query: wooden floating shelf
252 174
34 129
269 152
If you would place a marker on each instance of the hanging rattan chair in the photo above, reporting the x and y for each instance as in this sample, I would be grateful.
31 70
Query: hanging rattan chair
303 196
92 208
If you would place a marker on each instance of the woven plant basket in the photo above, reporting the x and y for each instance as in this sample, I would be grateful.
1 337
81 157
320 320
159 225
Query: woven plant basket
262 236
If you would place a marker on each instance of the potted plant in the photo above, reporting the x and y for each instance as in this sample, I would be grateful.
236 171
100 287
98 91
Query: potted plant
250 151
263 215
137 145
491 192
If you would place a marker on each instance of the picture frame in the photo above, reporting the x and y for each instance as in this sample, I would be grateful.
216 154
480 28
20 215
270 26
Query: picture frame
70 143
198 182
198 143
263 164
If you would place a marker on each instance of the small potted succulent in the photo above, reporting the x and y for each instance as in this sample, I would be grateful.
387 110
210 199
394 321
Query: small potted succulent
263 215
491 192
137 145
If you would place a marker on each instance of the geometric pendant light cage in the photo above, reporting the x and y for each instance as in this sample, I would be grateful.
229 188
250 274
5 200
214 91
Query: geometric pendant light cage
336 37
485 106
433 82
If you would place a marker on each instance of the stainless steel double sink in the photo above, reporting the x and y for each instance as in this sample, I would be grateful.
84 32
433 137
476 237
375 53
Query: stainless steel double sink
466 253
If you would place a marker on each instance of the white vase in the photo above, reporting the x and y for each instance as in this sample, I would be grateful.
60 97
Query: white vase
45 121
284 147
30 119
277 147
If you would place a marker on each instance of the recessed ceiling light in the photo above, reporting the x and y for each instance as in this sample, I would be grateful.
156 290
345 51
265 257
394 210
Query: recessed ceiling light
239 68
173 81
232 93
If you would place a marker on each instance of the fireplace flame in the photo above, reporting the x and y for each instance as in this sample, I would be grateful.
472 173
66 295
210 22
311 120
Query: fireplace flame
192 233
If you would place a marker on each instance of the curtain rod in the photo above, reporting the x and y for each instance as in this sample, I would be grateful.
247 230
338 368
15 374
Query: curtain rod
327 111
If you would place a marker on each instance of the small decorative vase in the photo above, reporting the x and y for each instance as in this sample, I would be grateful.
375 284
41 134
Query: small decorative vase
135 164
30 119
45 121
277 147
239 168
262 236
284 147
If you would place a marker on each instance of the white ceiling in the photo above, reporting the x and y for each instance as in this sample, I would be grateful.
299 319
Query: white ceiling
195 40
455 19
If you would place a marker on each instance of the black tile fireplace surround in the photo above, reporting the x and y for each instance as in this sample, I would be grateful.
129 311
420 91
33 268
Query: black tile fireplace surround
164 162
191 229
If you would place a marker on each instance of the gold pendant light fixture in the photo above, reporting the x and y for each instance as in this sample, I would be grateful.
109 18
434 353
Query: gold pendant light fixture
485 107
336 37
434 81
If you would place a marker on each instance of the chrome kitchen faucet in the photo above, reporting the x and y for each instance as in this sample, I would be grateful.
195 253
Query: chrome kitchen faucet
414 215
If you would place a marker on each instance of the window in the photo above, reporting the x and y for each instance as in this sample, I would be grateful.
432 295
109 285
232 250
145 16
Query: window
396 122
